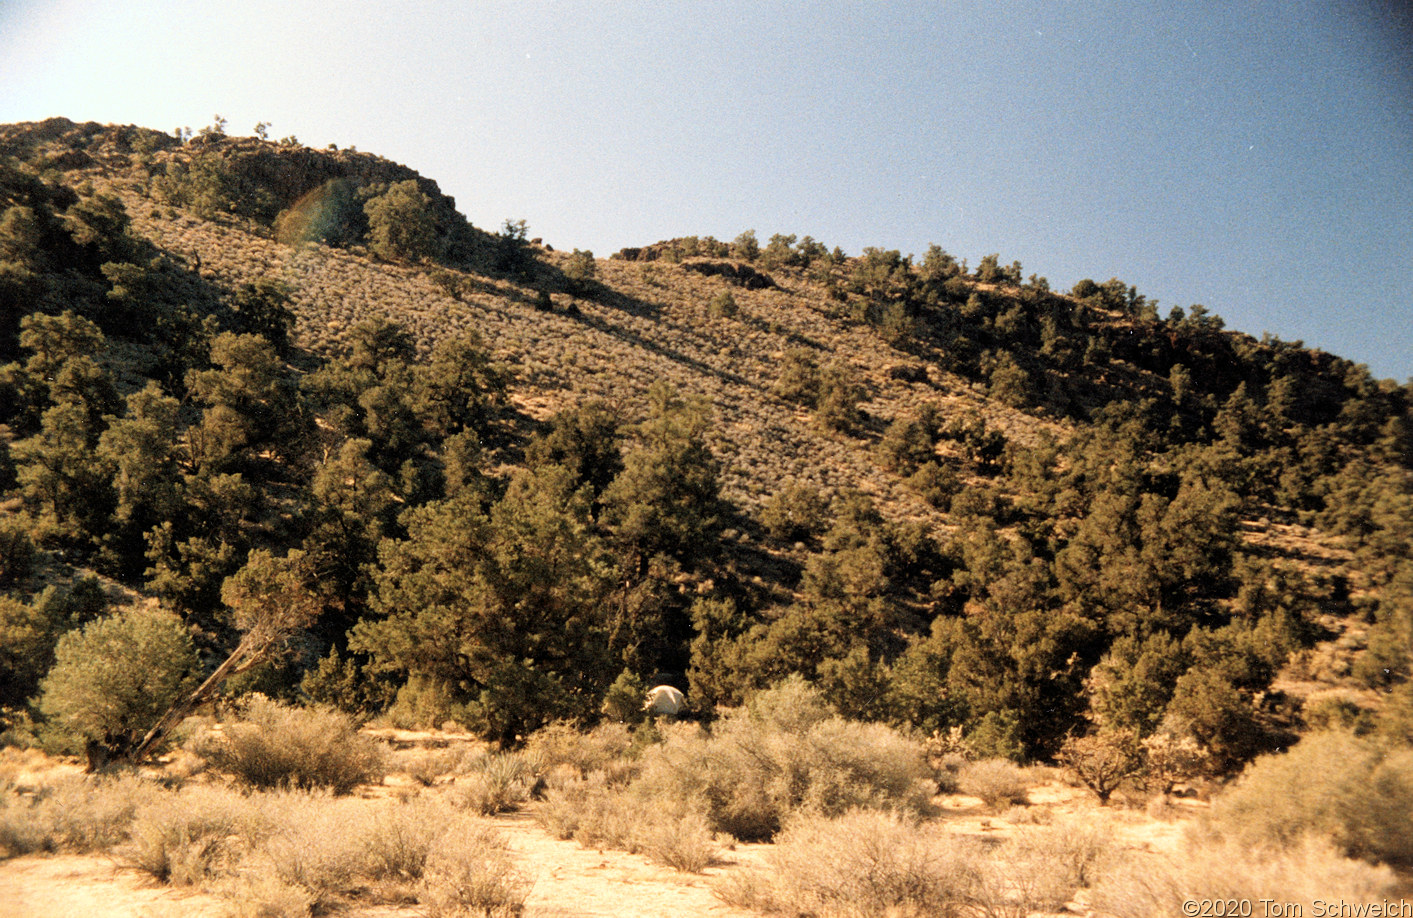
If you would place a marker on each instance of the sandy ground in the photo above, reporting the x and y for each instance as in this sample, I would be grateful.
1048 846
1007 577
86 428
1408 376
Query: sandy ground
75 886
568 882
575 882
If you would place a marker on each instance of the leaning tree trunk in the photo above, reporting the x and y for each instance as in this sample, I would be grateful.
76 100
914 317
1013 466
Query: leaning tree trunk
242 658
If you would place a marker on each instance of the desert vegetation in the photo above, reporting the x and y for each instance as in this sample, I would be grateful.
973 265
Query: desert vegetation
285 437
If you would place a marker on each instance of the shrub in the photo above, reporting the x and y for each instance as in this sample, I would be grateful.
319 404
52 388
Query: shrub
1169 759
1079 851
115 678
73 813
671 832
906 445
746 247
561 743
623 701
470 873
400 840
566 804
785 752
580 273
275 745
319 844
936 484
795 514
16 551
857 865
321 849
683 842
837 407
1101 761
998 782
424 766
1157 887
799 376
400 222
1335 785
1018 880
723 305
188 840
497 783
264 895
1214 712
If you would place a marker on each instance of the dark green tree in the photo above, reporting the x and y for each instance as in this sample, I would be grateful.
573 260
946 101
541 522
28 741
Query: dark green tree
666 500
586 441
262 308
400 223
251 405
503 610
459 388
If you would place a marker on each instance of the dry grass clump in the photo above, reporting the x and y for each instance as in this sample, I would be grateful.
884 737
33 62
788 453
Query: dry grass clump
998 782
873 863
1348 789
191 837
864 863
287 853
599 814
786 752
603 748
496 783
471 873
1041 868
275 745
400 839
321 846
337 848
1157 887
75 813
425 766
259 894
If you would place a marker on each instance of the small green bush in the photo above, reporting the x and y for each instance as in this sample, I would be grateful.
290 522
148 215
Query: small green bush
17 551
581 273
723 305
795 514
275 745
112 680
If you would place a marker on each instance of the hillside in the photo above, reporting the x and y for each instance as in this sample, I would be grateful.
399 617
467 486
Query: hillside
948 495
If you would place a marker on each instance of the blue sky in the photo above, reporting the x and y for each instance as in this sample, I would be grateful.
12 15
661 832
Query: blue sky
1255 157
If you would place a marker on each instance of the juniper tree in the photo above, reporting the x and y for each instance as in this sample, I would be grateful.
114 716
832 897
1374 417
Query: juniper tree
400 223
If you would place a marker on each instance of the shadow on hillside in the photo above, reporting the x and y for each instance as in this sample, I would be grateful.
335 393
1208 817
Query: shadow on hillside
755 564
622 303
792 338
